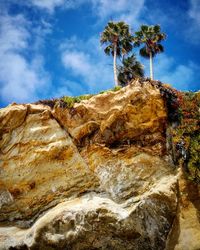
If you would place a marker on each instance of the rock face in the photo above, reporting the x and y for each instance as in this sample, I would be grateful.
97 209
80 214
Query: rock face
95 176
39 164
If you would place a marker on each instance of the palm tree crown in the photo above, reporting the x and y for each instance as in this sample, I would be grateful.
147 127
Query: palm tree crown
117 33
129 70
118 40
151 37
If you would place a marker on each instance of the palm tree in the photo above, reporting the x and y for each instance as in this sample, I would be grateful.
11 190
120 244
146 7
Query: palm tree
151 37
131 69
118 40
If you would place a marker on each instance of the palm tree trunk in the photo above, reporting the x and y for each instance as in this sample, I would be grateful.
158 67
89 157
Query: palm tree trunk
151 65
115 65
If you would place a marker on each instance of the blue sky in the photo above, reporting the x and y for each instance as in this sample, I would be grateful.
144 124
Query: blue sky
50 48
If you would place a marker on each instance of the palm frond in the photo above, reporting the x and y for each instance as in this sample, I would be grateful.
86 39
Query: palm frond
117 33
151 37
159 48
129 70
108 50
144 52
144 28
156 28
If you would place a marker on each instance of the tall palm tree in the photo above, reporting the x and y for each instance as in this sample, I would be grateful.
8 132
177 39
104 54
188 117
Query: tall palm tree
151 37
129 70
118 40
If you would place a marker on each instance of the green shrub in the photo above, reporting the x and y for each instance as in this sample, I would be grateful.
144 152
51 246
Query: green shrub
172 102
70 100
116 88
103 91
186 136
194 158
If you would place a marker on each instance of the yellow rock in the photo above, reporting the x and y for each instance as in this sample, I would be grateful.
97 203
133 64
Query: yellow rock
95 176
114 117
39 164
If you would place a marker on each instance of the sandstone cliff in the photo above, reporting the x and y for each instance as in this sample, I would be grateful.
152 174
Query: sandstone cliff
95 176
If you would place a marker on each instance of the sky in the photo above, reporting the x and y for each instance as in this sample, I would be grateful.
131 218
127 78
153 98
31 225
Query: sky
51 48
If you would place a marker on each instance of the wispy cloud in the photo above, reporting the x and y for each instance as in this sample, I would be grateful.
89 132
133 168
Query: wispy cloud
20 78
78 62
86 60
83 64
51 5
168 71
69 88
106 8
180 19
126 10
193 29
194 11
48 5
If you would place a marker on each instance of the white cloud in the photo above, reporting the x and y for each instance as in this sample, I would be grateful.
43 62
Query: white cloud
168 71
86 59
134 12
92 67
20 78
180 77
105 8
95 71
193 24
48 5
77 61
51 5
126 10
194 11
178 21
67 88
13 33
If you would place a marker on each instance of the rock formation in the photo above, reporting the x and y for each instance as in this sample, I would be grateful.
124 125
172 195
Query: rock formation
95 176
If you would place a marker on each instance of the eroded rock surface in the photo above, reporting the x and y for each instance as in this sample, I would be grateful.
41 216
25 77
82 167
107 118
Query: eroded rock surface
96 176
40 165
135 114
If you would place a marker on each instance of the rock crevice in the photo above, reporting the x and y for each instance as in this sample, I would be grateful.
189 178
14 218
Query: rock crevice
95 176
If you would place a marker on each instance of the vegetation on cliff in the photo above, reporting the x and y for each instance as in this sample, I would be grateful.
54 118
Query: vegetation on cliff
184 128
186 136
183 123
69 101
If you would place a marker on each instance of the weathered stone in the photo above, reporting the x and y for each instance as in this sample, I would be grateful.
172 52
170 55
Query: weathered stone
39 166
136 113
126 173
94 222
185 233
95 176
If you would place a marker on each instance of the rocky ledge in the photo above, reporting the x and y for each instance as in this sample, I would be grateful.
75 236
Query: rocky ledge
94 176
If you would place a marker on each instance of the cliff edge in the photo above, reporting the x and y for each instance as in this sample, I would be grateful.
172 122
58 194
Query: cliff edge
98 175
